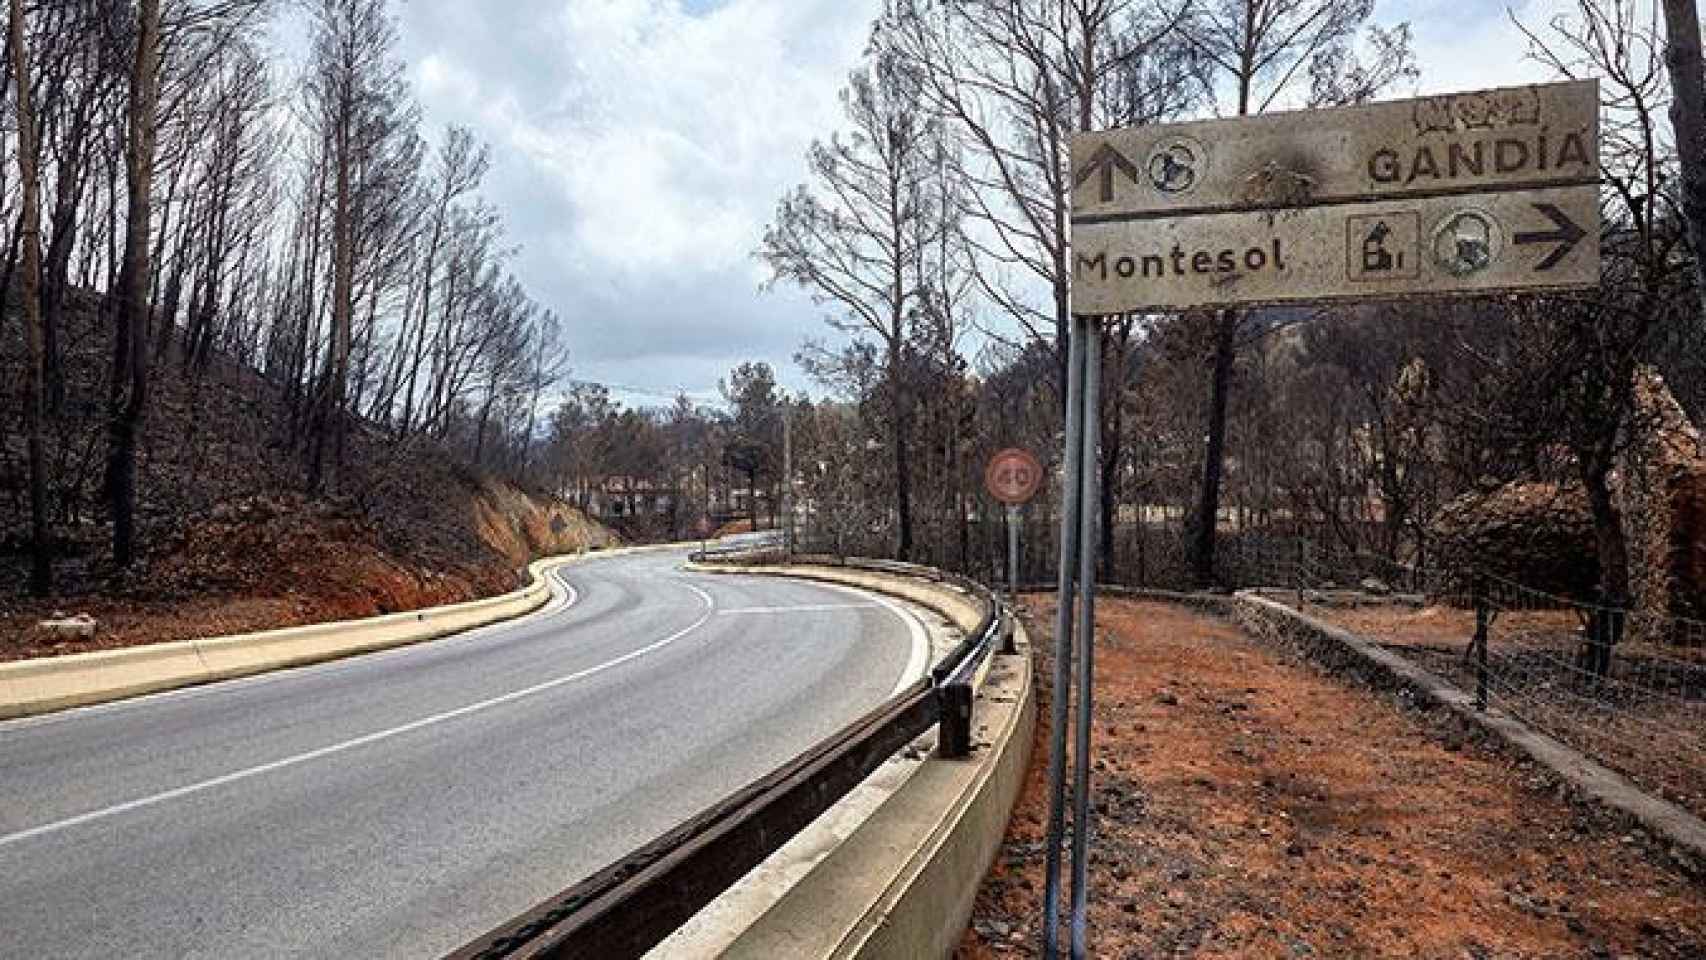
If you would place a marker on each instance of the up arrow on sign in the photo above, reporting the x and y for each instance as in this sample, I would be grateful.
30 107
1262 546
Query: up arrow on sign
1105 161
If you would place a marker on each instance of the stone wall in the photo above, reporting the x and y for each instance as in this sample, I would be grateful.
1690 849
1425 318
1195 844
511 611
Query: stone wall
1661 490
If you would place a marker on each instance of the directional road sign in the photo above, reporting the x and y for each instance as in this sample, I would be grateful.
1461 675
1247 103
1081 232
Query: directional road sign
1464 193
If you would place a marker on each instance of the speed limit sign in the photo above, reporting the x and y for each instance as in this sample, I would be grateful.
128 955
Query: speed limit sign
1013 476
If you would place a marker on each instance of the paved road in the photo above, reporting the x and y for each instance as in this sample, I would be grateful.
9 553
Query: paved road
395 805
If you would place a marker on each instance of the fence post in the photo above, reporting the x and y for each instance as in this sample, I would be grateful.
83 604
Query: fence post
1302 560
1482 623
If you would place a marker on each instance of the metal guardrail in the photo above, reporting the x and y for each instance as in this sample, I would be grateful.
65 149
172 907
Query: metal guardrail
635 903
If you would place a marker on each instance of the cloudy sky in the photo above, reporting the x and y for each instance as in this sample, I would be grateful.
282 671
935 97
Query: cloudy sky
639 147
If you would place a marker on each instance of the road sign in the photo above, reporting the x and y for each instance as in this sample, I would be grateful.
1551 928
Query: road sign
1013 476
1466 193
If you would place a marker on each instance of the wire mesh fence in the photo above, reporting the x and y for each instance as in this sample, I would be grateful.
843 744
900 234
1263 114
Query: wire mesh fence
1632 698
1627 691
1149 554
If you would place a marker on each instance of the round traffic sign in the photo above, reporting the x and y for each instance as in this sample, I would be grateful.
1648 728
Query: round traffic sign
1013 476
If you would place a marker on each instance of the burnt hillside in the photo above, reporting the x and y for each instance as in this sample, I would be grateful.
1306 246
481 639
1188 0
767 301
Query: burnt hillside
230 542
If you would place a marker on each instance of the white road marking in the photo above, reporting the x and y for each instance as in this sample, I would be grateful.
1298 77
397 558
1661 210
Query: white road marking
918 661
559 602
800 608
346 745
918 658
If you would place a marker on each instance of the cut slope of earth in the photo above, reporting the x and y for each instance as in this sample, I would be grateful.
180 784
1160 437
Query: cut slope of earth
1250 806
282 560
229 543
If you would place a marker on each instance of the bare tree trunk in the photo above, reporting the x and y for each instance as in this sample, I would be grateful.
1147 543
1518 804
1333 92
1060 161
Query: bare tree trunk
330 421
41 561
56 268
1688 117
129 397
420 333
902 456
1214 458
1605 627
1118 339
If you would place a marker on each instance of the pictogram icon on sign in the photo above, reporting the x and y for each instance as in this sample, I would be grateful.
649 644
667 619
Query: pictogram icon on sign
1383 246
1175 164
1466 242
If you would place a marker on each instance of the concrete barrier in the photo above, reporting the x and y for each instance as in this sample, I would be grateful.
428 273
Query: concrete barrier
31 687
901 886
961 609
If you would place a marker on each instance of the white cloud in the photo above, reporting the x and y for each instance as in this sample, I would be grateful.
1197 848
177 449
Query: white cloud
638 152
640 146
1472 44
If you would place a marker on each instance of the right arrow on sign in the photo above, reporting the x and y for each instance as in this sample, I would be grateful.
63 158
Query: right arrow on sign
1566 236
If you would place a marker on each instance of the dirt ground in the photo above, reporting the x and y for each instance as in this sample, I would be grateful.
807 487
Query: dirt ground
1639 724
1251 806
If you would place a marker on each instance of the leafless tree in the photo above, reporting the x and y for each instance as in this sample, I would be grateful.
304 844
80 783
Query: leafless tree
863 236
1014 80
1688 119
41 566
1257 51
128 400
357 95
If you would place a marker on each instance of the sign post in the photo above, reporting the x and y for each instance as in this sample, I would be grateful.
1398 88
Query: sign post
1484 192
1013 477
703 527
1012 557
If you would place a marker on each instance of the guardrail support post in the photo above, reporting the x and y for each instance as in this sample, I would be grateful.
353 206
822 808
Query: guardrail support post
953 738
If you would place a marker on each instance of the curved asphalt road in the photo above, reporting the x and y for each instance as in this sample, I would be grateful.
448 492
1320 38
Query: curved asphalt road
397 804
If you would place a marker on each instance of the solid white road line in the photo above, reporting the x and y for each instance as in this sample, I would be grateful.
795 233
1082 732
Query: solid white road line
346 745
918 658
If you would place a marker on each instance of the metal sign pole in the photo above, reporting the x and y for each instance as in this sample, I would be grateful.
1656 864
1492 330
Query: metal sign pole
1071 506
1012 554
1092 431
1008 645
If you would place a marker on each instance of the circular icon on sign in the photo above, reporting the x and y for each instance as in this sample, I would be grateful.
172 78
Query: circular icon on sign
1176 164
1013 476
1466 242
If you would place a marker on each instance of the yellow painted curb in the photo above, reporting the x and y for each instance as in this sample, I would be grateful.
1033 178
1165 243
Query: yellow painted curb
43 685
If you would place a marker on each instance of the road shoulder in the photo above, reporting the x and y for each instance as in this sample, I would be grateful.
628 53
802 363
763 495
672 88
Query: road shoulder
1250 805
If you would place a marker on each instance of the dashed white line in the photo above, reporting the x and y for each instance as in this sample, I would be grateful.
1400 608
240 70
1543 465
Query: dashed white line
797 608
